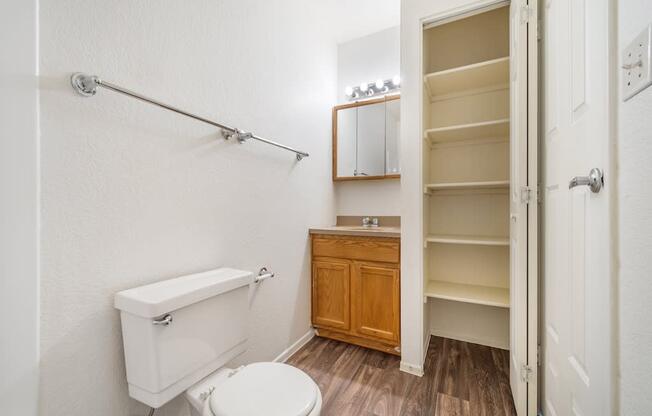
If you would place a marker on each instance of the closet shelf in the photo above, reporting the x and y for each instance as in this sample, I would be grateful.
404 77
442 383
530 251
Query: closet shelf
445 186
483 130
468 79
467 240
480 295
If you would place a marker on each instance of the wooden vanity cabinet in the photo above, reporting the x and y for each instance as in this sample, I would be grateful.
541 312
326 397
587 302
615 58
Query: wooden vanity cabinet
356 290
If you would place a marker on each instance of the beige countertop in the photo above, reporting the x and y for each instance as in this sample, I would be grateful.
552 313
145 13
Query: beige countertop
358 230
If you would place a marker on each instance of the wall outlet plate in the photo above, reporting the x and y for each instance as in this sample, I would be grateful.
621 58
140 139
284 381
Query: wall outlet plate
637 74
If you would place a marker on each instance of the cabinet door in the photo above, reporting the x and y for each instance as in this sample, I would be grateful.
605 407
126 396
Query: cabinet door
331 294
376 297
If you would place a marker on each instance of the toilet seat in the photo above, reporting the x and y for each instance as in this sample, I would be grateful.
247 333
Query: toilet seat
270 389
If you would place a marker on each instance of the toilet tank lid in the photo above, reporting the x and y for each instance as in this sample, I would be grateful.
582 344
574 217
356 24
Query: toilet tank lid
159 298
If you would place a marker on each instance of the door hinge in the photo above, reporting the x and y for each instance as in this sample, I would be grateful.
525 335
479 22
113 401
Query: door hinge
539 29
539 194
527 12
526 195
526 373
539 355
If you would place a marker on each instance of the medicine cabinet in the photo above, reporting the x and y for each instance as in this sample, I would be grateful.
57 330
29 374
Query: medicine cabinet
366 139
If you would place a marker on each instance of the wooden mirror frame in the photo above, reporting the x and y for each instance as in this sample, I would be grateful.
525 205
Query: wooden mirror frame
352 105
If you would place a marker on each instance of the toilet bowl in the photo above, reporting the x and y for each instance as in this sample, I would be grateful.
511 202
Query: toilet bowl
270 389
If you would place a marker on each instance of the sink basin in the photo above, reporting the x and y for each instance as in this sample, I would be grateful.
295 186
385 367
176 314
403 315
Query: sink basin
360 228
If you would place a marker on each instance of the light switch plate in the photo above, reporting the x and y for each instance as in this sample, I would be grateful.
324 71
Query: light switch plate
637 74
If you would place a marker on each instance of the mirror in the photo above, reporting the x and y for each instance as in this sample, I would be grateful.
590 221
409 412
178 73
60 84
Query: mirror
366 139
392 134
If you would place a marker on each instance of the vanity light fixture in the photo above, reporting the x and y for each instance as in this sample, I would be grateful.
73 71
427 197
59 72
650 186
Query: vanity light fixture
371 89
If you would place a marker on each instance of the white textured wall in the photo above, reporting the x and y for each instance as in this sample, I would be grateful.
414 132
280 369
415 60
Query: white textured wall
366 59
18 209
375 198
133 194
635 229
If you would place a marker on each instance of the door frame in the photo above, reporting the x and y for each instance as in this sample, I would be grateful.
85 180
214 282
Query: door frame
482 6
20 186
533 236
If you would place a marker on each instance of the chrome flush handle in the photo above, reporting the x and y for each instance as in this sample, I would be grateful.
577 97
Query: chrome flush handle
165 320
595 181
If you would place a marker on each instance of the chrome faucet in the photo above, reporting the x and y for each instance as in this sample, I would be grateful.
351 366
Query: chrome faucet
369 222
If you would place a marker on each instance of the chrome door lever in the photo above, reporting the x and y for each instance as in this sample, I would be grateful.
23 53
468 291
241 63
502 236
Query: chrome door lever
595 181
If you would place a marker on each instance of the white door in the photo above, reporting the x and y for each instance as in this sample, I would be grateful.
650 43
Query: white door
577 326
523 205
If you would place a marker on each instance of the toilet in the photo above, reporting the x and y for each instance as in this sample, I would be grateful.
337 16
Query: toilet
179 335
256 389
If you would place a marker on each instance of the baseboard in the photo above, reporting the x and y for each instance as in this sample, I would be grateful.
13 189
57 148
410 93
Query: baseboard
457 337
416 370
289 352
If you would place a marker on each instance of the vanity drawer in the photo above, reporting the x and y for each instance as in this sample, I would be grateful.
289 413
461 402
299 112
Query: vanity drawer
357 248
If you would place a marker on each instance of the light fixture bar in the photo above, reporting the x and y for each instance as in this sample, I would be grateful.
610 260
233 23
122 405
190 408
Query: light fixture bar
372 89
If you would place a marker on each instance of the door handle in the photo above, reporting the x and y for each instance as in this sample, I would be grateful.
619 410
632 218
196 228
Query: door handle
595 181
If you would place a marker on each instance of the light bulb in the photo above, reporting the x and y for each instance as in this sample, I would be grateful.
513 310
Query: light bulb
364 87
379 83
396 80
348 91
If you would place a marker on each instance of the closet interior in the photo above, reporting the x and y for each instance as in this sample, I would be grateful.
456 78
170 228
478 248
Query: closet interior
466 171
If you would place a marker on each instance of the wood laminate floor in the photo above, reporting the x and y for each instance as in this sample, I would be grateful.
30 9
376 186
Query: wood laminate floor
461 379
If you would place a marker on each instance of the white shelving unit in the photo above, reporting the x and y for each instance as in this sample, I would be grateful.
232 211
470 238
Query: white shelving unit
454 186
475 240
466 122
468 79
476 294
481 130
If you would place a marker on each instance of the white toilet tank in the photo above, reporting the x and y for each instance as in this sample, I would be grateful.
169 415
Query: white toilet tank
178 331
